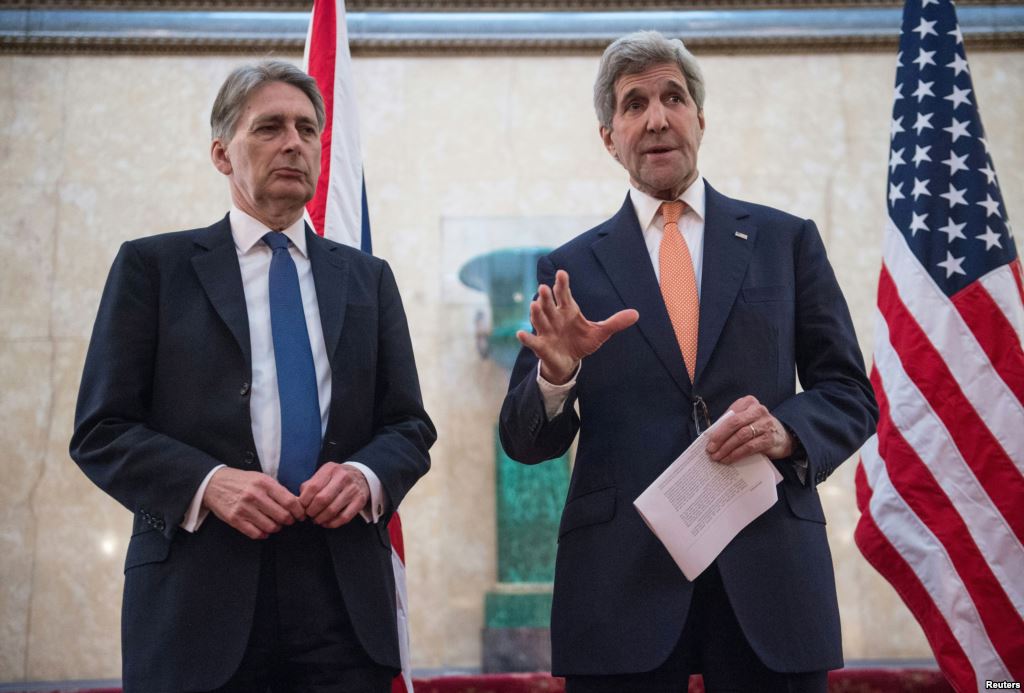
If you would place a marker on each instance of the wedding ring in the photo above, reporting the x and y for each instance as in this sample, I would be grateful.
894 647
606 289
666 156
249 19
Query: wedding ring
753 431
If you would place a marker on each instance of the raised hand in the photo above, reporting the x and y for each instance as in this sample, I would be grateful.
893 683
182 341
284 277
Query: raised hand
563 334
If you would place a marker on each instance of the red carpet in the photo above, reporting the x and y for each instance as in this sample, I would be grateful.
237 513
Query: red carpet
844 681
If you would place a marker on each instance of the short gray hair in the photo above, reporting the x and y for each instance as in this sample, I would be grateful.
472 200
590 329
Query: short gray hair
243 81
635 53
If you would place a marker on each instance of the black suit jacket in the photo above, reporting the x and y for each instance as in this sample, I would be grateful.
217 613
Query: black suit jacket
165 397
770 308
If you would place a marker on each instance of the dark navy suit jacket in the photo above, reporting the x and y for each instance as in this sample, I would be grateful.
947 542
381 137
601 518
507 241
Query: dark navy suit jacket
770 309
165 397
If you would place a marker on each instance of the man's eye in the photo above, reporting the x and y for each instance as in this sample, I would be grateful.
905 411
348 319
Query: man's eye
634 106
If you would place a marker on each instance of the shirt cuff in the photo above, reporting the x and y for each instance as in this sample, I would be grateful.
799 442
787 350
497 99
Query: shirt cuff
378 503
197 512
555 396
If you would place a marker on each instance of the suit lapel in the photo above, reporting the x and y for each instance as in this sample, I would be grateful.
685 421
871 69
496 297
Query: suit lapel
217 268
330 275
726 257
623 255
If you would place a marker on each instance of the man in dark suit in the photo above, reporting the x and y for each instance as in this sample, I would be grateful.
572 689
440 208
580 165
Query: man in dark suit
715 304
250 395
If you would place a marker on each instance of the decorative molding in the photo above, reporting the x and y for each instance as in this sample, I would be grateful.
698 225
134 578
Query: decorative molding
827 29
462 5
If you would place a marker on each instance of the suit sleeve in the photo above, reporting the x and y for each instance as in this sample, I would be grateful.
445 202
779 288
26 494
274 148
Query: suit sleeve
403 433
836 412
151 474
526 433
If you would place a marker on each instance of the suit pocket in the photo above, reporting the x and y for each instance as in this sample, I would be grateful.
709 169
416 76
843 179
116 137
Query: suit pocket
593 508
803 501
145 547
762 294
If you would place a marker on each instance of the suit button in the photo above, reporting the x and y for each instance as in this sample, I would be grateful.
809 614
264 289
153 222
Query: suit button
244 389
250 457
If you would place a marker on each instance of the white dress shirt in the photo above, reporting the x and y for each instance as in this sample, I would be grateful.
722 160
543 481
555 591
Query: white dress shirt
264 401
652 224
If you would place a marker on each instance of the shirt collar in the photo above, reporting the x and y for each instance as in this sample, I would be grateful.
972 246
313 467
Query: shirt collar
646 207
248 231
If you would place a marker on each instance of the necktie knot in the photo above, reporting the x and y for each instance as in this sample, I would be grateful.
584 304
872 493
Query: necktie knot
672 211
276 240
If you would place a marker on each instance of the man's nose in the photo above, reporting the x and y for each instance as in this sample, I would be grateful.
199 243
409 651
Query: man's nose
292 138
657 120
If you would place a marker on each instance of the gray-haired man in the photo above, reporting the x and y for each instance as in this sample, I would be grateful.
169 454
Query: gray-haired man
714 304
250 395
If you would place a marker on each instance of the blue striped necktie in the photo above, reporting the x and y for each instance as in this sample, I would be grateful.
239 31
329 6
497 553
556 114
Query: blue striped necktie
296 375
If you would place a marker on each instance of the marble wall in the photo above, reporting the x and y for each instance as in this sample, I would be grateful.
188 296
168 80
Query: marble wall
96 150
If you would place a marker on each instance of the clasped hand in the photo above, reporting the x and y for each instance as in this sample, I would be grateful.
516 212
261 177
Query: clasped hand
562 334
751 429
258 505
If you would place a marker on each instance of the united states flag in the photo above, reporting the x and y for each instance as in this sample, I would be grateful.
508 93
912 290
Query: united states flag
941 486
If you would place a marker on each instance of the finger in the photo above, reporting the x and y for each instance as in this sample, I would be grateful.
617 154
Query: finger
563 296
250 530
347 514
260 521
739 436
744 403
325 497
289 502
530 341
743 451
545 299
541 318
620 321
312 486
331 510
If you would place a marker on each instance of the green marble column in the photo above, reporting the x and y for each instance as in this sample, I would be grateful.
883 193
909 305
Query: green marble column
528 499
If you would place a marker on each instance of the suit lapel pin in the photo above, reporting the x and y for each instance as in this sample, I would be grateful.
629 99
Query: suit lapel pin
741 235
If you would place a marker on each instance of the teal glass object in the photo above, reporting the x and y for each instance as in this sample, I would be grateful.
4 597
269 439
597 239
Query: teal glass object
529 500
509 278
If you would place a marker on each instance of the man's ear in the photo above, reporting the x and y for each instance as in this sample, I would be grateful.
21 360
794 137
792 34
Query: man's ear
219 157
700 121
606 137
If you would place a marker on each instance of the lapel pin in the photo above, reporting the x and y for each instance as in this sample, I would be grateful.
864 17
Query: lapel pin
741 235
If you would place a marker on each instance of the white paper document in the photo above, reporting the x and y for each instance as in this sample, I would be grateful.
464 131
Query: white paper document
698 505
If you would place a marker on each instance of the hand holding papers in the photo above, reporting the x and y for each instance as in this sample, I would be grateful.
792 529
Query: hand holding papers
698 505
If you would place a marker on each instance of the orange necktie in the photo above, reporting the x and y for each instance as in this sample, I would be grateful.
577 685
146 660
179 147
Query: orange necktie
679 284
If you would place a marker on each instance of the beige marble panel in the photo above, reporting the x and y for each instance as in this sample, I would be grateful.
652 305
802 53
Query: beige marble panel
32 98
136 162
80 539
26 266
25 419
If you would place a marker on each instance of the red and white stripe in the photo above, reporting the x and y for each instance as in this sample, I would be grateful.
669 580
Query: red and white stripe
941 485
336 212
336 209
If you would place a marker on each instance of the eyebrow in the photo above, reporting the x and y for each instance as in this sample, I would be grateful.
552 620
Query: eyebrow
672 84
281 117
